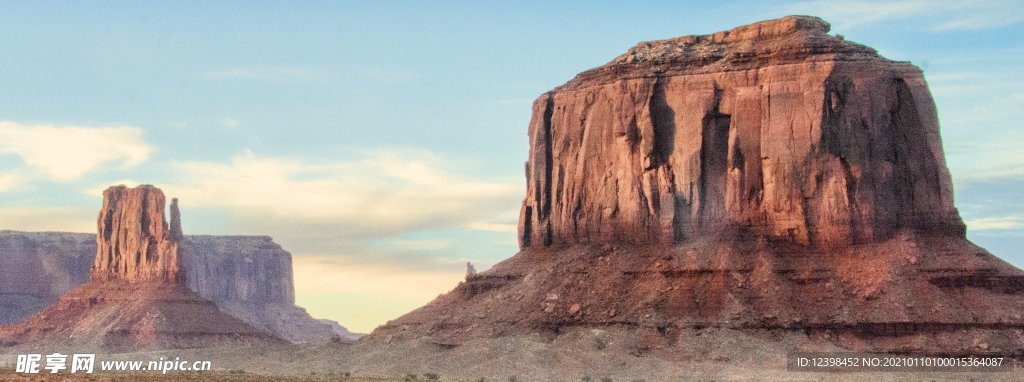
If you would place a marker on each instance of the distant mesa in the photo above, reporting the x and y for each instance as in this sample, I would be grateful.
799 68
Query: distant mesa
136 298
771 178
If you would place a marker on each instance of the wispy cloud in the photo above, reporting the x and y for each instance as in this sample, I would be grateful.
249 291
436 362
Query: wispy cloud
372 208
420 245
48 219
375 194
264 73
67 152
1010 222
11 180
970 100
493 227
940 14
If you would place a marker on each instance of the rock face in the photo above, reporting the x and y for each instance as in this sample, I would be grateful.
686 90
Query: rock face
771 179
134 242
239 268
37 268
136 298
249 277
776 126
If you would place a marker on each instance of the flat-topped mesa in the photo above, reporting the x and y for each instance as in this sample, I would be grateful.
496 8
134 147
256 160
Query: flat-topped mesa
134 242
776 127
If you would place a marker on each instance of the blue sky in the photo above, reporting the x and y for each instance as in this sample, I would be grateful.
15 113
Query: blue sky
383 143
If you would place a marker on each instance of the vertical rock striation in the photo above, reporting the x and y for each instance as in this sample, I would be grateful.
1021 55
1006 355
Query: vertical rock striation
134 242
775 126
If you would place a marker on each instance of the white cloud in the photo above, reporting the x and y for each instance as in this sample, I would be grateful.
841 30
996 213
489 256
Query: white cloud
996 223
10 181
48 219
420 245
264 73
380 193
980 120
942 14
493 227
67 152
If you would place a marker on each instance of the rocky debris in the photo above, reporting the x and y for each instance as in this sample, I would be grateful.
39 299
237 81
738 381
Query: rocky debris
134 242
771 180
136 298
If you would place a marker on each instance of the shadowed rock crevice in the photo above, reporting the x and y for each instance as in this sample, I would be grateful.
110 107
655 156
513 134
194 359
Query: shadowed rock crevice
663 120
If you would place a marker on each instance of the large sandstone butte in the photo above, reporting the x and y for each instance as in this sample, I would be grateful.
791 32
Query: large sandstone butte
136 298
771 179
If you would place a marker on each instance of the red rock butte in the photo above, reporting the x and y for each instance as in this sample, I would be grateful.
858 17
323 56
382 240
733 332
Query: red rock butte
770 179
134 242
775 126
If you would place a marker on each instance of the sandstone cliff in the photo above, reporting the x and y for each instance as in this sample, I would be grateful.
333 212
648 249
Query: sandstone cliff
250 277
777 126
134 242
771 180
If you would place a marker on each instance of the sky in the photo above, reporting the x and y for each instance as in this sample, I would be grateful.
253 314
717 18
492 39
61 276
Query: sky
382 143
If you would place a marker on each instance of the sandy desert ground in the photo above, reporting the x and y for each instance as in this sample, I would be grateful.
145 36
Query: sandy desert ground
581 356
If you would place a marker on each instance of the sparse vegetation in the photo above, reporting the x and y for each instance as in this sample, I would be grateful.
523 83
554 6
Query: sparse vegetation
411 377
586 378
606 379
431 376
